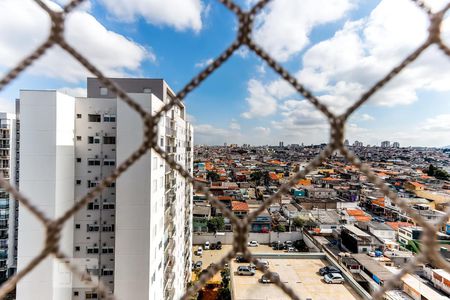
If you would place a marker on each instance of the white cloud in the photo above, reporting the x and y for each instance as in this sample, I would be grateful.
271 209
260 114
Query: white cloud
437 123
234 125
204 63
261 103
74 92
7 105
283 28
180 14
346 65
243 52
23 26
265 131
211 135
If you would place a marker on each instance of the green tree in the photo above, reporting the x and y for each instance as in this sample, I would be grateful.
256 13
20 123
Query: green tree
216 224
224 291
266 178
256 177
437 173
212 176
281 228
298 222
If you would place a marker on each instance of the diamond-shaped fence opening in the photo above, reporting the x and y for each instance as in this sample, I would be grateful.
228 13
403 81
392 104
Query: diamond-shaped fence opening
243 39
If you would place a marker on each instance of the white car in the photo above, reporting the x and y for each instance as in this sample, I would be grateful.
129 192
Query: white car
253 244
199 251
207 245
333 278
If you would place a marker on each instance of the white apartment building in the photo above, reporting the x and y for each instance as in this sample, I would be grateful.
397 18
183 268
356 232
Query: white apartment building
136 235
8 206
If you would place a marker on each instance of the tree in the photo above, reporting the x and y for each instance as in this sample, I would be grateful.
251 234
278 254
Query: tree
212 176
216 224
266 178
298 222
281 228
437 173
256 177
224 291
300 245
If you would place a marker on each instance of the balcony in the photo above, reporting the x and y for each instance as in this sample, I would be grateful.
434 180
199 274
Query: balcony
170 246
169 293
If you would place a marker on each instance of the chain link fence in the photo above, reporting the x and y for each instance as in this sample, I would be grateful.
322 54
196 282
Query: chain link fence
429 251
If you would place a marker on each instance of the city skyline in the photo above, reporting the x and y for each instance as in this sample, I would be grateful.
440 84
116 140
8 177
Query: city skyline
255 106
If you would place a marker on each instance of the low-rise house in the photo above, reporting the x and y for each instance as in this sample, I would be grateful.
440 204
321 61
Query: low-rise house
355 240
239 208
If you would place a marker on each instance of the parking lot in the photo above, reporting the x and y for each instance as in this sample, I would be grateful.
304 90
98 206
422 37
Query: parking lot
299 274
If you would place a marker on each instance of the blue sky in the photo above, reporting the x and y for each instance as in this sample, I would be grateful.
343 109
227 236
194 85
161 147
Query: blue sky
337 48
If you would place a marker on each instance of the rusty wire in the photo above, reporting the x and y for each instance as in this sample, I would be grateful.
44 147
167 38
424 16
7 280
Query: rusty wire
429 253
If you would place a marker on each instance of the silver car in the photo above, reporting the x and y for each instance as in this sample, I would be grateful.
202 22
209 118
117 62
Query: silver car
333 278
246 270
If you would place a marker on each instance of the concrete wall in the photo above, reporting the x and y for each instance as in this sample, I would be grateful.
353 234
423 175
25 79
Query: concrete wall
262 238
47 178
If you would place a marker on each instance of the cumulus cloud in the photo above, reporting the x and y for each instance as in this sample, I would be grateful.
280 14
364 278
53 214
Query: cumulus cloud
7 105
212 135
283 28
363 51
74 92
179 14
262 130
23 26
234 125
261 103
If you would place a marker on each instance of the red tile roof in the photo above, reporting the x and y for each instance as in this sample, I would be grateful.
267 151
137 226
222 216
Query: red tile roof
239 206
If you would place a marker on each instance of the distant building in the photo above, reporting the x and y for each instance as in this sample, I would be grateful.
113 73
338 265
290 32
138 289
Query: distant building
346 143
357 144
395 145
281 144
385 144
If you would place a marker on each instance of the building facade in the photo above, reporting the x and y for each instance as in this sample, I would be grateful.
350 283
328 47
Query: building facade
8 206
136 235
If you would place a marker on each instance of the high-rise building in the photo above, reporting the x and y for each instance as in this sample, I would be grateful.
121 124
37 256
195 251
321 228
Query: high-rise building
357 144
346 143
8 206
281 144
136 235
385 144
395 145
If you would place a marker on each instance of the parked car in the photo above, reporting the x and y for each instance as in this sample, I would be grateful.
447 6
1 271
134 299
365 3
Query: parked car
328 270
253 244
291 249
288 244
245 270
213 246
378 219
198 265
274 244
266 279
219 245
333 278
279 246
207 245
264 262
241 259
200 251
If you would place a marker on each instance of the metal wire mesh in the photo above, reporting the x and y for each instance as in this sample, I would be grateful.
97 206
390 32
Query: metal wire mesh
429 252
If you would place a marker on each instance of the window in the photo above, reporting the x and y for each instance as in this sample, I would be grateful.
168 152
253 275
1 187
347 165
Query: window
75 293
147 90
77 248
109 162
107 250
155 163
77 226
78 138
93 140
92 183
93 206
78 159
108 228
109 205
78 116
109 118
107 272
91 295
109 140
93 162
92 250
94 118
91 228
161 144
103 91
78 181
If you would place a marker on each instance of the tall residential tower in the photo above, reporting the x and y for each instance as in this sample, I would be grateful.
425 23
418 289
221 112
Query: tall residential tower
136 235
